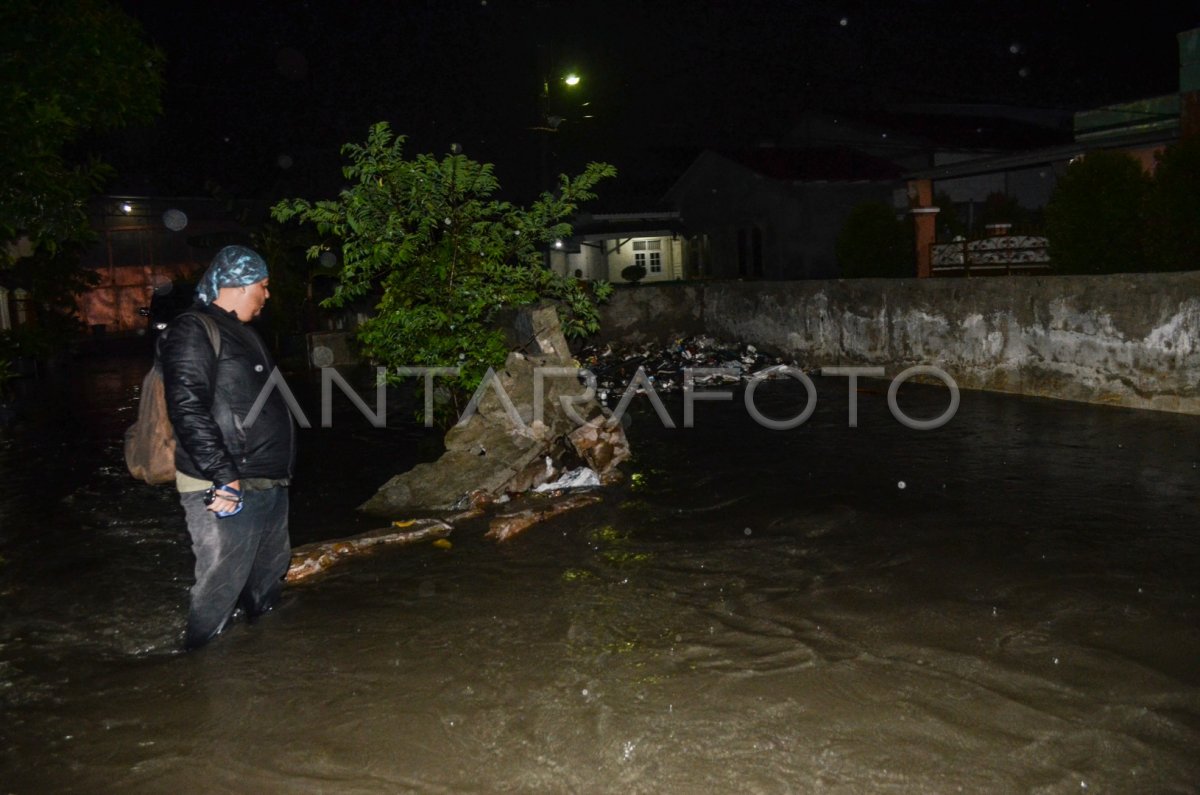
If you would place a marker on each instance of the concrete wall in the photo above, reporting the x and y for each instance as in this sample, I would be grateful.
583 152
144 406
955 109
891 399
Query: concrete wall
1130 340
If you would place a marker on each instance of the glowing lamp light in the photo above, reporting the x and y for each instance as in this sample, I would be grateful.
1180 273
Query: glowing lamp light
571 79
558 244
126 207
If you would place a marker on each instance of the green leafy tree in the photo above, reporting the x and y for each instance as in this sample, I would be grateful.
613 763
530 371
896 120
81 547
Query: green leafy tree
874 243
54 278
285 248
68 69
1173 209
1094 220
441 258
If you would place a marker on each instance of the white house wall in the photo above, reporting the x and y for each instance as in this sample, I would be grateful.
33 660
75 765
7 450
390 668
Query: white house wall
621 257
590 262
560 262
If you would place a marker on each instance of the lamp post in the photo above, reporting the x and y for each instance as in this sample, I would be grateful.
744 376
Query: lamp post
550 121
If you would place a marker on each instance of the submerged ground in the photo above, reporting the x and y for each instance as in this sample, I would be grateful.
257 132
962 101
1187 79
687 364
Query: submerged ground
1006 604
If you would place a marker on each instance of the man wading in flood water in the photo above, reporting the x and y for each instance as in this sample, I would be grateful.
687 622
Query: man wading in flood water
232 476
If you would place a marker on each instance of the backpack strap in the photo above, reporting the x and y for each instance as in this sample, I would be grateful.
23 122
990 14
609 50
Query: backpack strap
214 333
210 325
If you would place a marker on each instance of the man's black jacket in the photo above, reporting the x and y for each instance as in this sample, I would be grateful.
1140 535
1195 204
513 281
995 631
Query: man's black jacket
210 397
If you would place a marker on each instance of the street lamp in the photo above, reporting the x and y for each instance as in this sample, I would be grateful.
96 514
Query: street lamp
550 121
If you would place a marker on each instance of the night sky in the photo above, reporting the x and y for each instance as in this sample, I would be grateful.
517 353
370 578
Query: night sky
260 96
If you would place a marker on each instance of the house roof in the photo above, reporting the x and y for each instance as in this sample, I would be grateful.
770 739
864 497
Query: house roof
815 164
975 127
609 226
1040 157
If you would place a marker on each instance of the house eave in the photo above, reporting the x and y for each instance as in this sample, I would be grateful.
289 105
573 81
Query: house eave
1047 156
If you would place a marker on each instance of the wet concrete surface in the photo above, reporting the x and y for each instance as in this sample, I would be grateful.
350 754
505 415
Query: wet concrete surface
1005 604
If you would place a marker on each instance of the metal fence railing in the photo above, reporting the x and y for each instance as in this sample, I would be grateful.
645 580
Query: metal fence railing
991 256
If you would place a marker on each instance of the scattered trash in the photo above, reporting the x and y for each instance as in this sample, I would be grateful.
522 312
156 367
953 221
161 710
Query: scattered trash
442 543
614 366
581 478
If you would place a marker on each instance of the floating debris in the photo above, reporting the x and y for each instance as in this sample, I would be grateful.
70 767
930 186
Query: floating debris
312 559
507 526
615 366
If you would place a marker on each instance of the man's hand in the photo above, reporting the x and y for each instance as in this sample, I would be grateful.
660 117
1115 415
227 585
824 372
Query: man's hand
224 501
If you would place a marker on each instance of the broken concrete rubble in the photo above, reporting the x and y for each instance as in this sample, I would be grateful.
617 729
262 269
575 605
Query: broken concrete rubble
503 447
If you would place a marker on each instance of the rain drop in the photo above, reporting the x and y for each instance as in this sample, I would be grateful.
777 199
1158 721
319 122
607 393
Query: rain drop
844 21
902 485
747 531
175 220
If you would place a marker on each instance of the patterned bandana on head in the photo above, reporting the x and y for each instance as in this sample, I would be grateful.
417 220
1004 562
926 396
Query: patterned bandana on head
234 266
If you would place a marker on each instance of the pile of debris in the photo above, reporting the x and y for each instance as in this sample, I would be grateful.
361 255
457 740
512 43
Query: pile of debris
615 366
505 447
545 467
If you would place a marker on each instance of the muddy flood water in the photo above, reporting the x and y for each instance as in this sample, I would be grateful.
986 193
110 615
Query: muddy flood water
1005 604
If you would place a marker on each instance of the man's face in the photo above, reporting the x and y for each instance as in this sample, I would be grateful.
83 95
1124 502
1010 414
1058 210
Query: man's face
245 302
256 297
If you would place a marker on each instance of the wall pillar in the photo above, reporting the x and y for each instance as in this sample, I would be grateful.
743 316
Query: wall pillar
1189 115
924 214
5 320
1189 83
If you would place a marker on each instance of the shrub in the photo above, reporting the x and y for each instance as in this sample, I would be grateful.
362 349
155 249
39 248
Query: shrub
1094 220
1173 209
873 243
633 273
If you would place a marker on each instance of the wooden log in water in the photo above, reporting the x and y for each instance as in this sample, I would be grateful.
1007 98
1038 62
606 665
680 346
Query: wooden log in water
509 525
312 559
